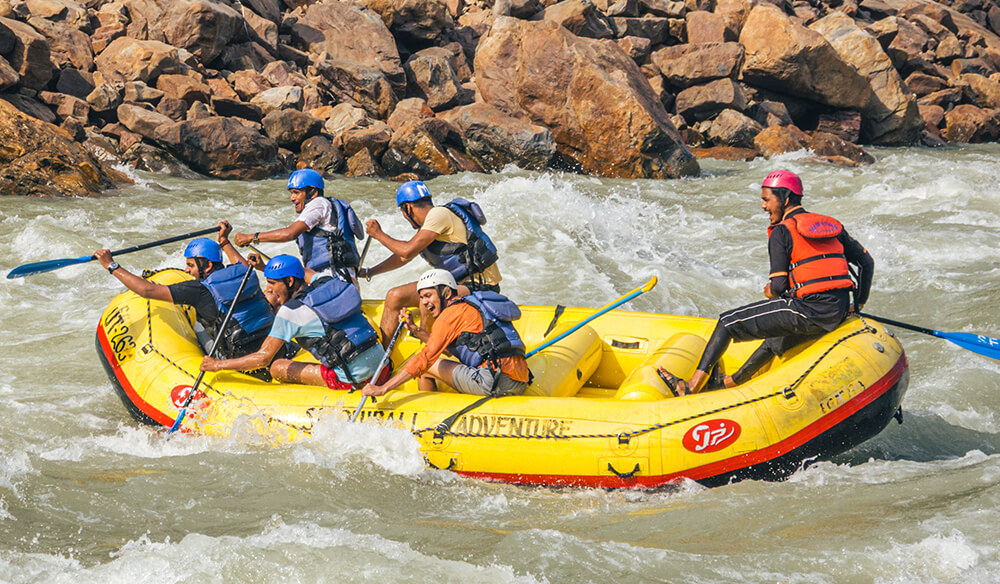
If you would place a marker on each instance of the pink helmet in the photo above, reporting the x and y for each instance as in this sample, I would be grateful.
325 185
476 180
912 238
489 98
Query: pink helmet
785 179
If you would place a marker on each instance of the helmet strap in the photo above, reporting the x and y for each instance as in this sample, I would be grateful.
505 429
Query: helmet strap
201 264
408 213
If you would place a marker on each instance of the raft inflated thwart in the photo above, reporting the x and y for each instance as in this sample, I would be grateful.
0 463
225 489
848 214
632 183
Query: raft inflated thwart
596 414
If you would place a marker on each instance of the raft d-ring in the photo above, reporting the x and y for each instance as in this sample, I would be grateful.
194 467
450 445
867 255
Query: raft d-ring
788 393
624 438
624 475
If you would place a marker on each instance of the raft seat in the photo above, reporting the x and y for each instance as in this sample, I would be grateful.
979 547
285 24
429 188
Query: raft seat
678 355
561 369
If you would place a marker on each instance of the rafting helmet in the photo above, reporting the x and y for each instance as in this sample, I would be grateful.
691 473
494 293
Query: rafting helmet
436 277
305 177
410 191
202 247
282 266
783 179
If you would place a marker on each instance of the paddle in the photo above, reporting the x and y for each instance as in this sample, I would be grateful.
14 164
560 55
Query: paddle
985 346
607 307
385 359
211 351
364 252
49 265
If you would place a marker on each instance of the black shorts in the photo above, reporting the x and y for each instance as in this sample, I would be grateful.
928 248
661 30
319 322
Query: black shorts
786 322
474 286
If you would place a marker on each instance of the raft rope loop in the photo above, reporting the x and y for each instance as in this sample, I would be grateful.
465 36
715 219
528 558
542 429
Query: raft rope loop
624 437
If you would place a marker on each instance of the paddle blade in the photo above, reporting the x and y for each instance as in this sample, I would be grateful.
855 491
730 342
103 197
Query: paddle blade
46 266
985 346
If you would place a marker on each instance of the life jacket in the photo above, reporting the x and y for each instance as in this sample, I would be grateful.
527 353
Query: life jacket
252 316
464 259
498 338
322 249
348 333
818 262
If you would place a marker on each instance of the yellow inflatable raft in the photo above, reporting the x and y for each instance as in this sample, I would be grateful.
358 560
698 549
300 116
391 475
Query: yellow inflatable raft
596 413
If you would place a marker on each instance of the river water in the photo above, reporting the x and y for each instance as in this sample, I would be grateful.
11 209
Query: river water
88 495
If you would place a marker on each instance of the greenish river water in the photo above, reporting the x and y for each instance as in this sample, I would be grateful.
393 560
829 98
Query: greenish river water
88 495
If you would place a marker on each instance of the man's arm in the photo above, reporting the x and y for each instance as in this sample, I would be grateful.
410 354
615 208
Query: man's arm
284 234
859 256
232 254
261 358
402 251
137 284
779 250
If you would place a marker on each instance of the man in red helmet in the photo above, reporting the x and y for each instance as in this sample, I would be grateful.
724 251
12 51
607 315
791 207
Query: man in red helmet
808 290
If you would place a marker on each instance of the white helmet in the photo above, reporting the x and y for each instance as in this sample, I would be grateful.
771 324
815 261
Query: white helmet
435 278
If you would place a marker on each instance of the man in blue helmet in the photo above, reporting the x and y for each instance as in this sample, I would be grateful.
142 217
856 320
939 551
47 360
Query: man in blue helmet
211 293
321 313
325 229
449 237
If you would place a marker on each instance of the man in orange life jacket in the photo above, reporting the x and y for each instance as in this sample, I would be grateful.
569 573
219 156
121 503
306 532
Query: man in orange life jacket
808 289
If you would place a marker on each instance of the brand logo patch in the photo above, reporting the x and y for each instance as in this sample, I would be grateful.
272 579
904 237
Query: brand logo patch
180 393
711 436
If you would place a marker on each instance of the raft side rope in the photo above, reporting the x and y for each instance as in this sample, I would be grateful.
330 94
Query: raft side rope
623 437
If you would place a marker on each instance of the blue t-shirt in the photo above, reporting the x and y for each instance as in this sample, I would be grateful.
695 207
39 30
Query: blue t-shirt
303 321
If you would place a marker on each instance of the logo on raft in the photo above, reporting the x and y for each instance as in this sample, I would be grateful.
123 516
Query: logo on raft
180 393
711 436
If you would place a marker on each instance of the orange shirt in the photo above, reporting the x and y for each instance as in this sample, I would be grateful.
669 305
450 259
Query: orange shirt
454 320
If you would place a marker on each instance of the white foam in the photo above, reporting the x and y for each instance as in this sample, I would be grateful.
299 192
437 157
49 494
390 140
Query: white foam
335 441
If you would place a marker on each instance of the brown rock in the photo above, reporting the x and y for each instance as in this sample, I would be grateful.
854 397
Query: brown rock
416 148
66 106
663 8
104 35
200 111
600 108
787 57
243 56
248 84
68 47
726 153
431 77
30 55
75 128
374 138
264 31
949 48
844 123
494 139
734 13
221 147
658 30
360 84
66 11
220 88
581 18
75 83
944 98
701 102
363 164
321 154
200 26
183 87
229 108
635 47
891 116
421 20
289 128
922 83
104 98
706 27
174 108
128 59
770 113
39 159
731 128
826 144
933 115
8 76
345 116
978 66
413 108
31 107
907 43
283 73
346 32
776 140
971 124
982 91
141 120
276 98
687 65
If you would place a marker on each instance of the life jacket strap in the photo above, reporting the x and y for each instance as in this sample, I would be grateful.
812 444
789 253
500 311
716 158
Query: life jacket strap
825 256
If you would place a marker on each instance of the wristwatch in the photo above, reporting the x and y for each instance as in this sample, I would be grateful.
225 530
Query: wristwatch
256 237
112 267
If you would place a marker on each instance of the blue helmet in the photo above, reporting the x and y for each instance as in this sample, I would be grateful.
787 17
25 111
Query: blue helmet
411 190
305 177
204 248
283 266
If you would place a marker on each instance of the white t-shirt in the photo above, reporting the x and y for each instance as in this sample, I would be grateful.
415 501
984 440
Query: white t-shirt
318 211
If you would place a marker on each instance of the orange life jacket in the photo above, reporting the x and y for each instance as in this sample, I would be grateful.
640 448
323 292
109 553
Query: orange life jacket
818 262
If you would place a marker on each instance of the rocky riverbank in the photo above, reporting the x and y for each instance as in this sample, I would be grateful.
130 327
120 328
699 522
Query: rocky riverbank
420 88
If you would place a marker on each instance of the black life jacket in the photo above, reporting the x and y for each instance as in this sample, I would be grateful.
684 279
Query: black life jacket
322 249
252 316
498 338
348 332
464 259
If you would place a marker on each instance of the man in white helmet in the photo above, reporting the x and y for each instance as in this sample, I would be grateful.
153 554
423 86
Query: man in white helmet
476 329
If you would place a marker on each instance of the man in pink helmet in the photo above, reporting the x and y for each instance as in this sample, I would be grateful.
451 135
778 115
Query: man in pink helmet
808 290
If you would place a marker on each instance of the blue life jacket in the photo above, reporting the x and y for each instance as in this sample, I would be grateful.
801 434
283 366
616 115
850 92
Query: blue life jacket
252 316
464 259
322 249
498 338
348 333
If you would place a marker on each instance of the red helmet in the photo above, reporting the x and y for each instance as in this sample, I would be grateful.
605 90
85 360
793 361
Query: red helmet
785 179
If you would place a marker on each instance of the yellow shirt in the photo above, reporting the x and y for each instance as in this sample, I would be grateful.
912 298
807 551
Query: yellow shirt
450 228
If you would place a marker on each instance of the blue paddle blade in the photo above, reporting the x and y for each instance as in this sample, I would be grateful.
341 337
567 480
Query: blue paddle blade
985 346
46 266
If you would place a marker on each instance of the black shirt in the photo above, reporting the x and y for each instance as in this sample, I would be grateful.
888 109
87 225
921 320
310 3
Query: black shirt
779 248
193 293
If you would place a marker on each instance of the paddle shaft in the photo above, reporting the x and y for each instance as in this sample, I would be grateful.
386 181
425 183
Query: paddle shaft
979 344
163 241
385 359
212 350
903 325
607 307
364 252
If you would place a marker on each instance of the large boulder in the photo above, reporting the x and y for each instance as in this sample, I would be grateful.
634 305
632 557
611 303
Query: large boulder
701 102
360 84
29 56
221 147
731 128
289 128
68 47
495 139
418 148
40 159
785 56
580 17
601 110
968 123
203 27
344 31
891 117
420 20
431 77
686 65
129 59
142 121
